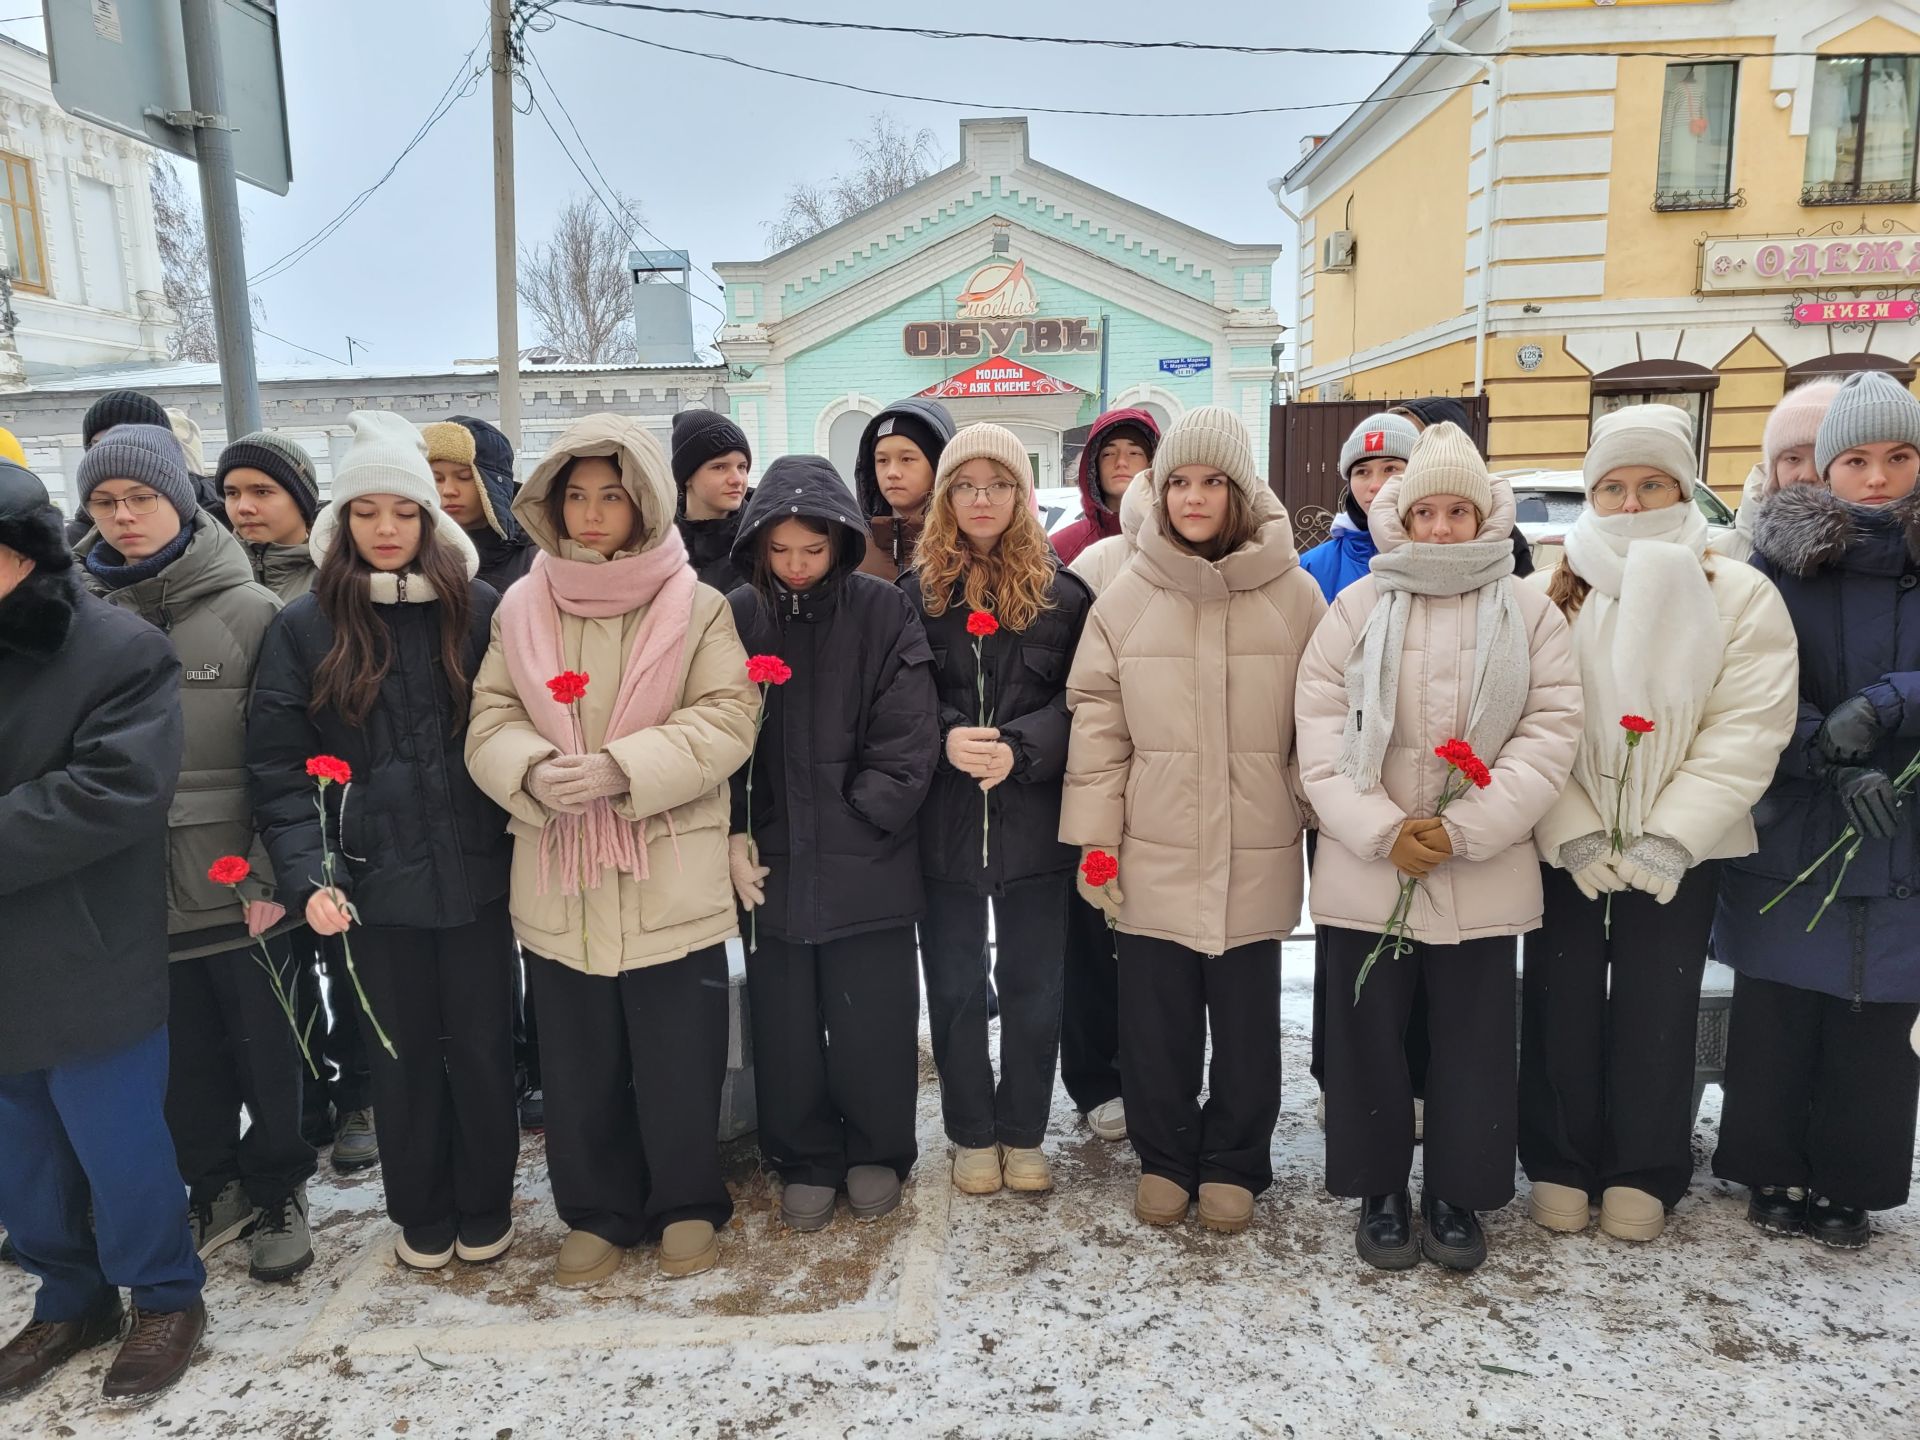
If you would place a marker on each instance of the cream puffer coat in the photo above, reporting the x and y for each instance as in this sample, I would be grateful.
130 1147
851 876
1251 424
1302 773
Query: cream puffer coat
1491 886
1706 807
1101 561
1182 754
678 769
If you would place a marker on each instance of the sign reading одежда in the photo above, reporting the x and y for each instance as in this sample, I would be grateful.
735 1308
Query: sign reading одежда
1791 262
997 379
998 308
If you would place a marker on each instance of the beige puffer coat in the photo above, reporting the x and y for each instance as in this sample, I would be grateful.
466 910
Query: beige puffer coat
1182 754
678 769
1491 886
1101 561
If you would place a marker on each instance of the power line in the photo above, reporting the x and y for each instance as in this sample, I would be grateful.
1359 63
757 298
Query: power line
261 330
1033 109
924 32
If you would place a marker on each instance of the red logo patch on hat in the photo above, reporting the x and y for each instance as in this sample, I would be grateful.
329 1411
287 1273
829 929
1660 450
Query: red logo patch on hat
1376 441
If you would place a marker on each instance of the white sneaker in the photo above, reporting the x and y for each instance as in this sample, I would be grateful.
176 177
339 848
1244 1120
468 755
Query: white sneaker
1108 1120
1320 1109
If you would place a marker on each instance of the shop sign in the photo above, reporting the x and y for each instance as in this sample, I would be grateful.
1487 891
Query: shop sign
1854 312
996 310
1792 262
998 380
1189 365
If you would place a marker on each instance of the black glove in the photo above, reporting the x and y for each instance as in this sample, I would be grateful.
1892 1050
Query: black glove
1868 798
1850 734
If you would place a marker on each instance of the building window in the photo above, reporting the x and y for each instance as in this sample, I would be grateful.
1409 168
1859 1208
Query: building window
26 253
1696 138
1679 383
1860 140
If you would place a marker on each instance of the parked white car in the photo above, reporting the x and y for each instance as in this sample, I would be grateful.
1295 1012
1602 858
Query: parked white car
1549 501
1058 507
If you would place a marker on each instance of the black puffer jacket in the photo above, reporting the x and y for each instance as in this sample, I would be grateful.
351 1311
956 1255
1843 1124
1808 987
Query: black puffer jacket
847 747
710 545
422 847
1027 701
90 744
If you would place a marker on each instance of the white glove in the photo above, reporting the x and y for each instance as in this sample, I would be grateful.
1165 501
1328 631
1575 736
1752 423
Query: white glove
1655 865
579 780
749 876
544 782
1590 861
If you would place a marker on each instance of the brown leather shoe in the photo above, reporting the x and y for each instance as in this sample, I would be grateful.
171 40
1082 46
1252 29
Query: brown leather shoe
45 1345
156 1353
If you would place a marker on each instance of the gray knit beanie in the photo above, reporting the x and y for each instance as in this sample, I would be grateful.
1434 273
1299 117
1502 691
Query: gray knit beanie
1378 437
1211 435
1872 408
147 453
281 460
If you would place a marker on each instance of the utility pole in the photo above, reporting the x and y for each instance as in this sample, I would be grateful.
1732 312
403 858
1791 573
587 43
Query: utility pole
220 211
506 293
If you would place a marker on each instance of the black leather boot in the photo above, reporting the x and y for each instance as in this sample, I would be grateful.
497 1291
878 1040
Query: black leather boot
1778 1209
1451 1236
1384 1237
1844 1227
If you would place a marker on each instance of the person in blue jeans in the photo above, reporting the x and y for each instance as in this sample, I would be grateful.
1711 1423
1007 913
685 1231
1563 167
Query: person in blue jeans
90 748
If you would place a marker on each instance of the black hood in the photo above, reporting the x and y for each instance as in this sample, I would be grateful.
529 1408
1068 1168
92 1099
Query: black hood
929 413
809 487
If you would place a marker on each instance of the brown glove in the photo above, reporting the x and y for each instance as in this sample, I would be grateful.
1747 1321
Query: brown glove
1419 847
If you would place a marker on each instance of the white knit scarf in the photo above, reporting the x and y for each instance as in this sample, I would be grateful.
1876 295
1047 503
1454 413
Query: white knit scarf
1502 666
1649 643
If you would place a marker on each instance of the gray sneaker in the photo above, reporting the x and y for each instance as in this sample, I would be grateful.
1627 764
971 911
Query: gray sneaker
355 1146
226 1218
282 1244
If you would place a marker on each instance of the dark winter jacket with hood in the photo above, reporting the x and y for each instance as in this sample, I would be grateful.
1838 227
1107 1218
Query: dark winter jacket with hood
711 549
287 570
506 553
1098 519
1027 702
891 540
216 614
846 750
90 743
1851 578
415 842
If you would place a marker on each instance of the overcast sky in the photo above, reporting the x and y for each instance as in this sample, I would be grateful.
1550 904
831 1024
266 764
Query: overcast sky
709 149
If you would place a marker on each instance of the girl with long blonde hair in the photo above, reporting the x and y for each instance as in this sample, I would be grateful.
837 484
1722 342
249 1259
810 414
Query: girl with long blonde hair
1003 619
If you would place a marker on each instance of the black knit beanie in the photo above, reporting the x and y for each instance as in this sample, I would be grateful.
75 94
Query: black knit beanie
700 436
121 407
281 460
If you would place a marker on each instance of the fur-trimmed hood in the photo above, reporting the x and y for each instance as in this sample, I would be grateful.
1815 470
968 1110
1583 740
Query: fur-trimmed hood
1806 528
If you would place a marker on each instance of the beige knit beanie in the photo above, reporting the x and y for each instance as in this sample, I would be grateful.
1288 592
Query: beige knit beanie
1211 435
1445 461
1660 436
985 442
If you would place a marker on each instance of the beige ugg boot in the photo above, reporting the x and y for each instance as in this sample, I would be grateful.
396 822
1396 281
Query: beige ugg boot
688 1247
585 1259
1025 1169
976 1171
1558 1207
1159 1201
1629 1214
1226 1208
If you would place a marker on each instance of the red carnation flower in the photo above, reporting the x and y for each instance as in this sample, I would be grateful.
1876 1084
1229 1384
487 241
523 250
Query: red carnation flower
1476 771
568 686
1099 867
1639 725
229 870
330 769
1457 753
981 622
768 670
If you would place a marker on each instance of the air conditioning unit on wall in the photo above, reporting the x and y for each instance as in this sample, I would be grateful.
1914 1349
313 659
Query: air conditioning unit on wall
1338 251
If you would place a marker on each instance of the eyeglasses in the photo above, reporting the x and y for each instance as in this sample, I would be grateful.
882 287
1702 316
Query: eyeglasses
1611 495
998 493
102 508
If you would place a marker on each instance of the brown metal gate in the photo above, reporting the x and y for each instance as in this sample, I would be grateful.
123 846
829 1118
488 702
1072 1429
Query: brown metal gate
1304 455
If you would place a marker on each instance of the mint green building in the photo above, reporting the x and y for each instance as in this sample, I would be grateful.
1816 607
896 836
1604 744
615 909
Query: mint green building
1010 291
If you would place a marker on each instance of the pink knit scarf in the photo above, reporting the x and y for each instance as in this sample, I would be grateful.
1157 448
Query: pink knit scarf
588 844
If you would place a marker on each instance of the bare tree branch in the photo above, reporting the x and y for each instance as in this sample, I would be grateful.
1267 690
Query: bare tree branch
183 265
578 286
887 161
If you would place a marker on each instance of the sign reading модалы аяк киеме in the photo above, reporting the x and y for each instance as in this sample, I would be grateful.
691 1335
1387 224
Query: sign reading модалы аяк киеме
999 313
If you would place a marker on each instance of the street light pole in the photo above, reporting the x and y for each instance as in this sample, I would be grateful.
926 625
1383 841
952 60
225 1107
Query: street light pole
506 295
220 211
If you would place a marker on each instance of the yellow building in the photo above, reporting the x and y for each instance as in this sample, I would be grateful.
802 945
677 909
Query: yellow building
1572 205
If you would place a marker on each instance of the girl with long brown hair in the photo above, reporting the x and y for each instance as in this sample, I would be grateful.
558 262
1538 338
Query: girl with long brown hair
1003 619
375 667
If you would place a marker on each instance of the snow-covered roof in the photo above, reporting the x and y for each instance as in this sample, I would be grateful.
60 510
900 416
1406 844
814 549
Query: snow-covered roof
190 376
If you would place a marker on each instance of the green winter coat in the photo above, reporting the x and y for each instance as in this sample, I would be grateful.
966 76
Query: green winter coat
287 570
215 613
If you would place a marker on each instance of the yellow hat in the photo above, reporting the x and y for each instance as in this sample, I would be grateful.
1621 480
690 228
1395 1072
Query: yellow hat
10 450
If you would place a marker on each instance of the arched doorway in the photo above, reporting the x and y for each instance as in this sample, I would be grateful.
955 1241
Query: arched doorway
1838 367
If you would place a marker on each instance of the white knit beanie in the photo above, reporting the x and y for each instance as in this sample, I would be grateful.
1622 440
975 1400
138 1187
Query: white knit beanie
387 456
1660 436
986 442
1445 461
1211 435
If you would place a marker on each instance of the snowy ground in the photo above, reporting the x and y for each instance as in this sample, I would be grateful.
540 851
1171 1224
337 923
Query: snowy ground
1057 1315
